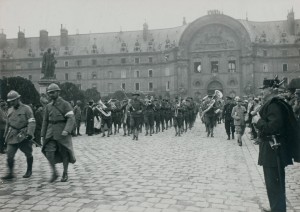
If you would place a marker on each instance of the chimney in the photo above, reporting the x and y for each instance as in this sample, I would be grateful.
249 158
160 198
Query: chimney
21 39
145 31
63 36
43 39
2 40
291 22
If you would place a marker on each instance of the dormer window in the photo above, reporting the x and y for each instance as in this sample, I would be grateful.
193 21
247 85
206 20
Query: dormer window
123 47
263 38
66 52
94 49
137 47
150 46
30 52
283 38
168 43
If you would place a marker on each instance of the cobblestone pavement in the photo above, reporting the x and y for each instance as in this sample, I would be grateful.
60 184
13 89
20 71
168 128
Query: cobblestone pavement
159 173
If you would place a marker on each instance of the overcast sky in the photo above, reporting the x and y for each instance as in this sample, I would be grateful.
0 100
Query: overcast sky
95 16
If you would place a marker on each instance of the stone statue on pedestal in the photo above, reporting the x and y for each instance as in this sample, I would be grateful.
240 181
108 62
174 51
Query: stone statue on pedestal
48 65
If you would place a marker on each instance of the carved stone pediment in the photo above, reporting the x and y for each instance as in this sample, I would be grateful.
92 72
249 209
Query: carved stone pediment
214 37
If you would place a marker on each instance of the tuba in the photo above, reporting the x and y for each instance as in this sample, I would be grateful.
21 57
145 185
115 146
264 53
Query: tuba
101 107
217 95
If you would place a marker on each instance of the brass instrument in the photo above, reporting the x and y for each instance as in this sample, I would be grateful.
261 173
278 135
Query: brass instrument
102 106
148 101
217 95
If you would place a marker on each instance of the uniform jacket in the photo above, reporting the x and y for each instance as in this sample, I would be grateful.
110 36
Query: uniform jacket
20 122
275 121
3 119
136 108
54 121
227 111
238 114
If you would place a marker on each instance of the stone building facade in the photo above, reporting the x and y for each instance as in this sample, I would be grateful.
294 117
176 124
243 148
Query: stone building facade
213 52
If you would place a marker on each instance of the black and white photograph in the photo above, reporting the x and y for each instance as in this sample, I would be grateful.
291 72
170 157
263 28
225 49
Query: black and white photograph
150 105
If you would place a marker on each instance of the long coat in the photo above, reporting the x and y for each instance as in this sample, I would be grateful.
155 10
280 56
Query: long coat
89 121
276 118
59 117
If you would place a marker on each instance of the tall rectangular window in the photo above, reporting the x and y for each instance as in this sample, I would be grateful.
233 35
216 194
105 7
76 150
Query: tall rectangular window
231 66
79 86
123 74
66 63
137 86
150 59
78 63
94 62
29 65
110 87
167 71
214 66
78 76
150 86
284 67
66 76
136 60
197 67
94 86
265 53
123 60
150 73
94 75
284 52
30 77
137 74
265 67
123 85
168 86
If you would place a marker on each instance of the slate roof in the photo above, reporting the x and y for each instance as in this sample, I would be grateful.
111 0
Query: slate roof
271 32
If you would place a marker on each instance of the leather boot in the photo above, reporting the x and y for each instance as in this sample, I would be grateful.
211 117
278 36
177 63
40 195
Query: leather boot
9 175
51 158
232 135
64 177
29 168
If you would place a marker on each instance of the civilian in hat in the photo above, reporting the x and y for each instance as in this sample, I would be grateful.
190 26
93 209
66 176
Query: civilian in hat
238 114
227 118
254 111
276 120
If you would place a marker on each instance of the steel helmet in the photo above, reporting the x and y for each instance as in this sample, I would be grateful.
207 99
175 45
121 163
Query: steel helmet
13 95
53 87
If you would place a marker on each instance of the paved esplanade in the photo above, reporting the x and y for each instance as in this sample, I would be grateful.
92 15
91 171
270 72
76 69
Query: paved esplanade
158 173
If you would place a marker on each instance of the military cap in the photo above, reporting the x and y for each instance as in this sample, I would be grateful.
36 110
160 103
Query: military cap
238 99
136 94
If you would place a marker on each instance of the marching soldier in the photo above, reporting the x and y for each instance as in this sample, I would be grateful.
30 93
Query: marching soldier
77 114
3 120
238 114
178 116
156 115
18 133
135 109
149 116
227 118
57 126
106 118
209 115
90 119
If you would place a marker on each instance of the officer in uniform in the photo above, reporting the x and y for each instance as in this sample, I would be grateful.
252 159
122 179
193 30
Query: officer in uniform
227 118
149 116
274 122
209 108
57 126
18 133
77 113
178 116
135 108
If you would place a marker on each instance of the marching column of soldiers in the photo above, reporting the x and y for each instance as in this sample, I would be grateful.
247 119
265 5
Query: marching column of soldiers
273 119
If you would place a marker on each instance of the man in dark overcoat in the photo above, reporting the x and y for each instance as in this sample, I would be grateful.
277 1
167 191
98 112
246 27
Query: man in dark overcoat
90 119
274 123
58 123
